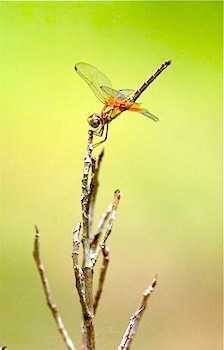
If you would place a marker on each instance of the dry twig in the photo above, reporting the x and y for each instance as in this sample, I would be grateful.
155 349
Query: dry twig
79 275
47 292
92 248
103 271
94 188
136 317
85 202
99 230
87 269
109 226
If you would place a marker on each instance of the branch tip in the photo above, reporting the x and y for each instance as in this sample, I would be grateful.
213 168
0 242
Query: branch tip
154 281
36 229
117 197
136 317
101 154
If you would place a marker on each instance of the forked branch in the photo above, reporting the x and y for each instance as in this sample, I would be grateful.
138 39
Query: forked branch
93 246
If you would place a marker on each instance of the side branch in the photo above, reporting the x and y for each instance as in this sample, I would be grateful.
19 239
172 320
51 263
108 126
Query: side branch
94 188
103 271
136 317
47 292
109 226
99 229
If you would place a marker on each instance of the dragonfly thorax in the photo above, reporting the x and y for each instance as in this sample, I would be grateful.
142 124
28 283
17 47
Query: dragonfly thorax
94 120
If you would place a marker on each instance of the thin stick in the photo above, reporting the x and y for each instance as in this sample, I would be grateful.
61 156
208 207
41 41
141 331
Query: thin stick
79 275
94 189
47 291
136 317
85 201
103 271
109 226
87 267
99 229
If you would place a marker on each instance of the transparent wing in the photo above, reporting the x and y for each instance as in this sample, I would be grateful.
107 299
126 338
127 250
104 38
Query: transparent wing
110 92
121 94
126 92
94 78
149 115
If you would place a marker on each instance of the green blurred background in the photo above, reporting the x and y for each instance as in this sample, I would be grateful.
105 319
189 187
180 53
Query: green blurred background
169 173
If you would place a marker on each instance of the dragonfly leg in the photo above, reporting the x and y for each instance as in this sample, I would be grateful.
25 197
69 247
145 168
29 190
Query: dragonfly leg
100 133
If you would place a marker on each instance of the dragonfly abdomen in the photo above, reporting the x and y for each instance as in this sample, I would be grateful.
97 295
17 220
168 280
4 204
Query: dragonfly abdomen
133 97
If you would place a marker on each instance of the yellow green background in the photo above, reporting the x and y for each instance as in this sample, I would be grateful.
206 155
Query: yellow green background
169 173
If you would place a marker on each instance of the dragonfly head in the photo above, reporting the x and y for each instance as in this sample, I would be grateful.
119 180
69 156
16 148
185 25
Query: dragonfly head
94 120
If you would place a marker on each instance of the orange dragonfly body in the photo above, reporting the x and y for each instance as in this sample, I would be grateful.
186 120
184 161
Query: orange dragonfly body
115 102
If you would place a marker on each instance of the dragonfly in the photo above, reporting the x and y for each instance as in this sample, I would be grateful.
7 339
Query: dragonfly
115 101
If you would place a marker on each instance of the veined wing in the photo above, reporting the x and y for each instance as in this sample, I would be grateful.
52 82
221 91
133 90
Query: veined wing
118 94
145 112
109 91
148 114
94 78
122 95
126 92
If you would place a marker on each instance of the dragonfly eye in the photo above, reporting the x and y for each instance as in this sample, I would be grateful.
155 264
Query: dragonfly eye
94 120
